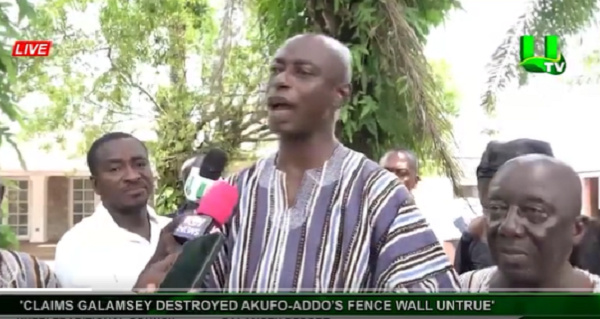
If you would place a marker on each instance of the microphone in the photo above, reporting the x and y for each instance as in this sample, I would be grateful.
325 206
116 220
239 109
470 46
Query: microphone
214 210
201 237
204 172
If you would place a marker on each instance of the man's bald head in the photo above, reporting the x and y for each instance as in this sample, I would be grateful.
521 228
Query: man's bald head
404 164
534 219
551 176
340 53
309 83
401 153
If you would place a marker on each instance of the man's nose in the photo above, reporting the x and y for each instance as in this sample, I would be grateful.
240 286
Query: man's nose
132 174
281 80
512 226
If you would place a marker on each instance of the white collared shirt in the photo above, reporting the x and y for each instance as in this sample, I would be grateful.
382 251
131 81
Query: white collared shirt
97 253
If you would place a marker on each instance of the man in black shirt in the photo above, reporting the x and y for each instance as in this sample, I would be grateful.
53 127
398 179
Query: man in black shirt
472 252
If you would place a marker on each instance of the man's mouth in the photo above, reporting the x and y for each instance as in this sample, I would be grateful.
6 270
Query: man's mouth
277 103
281 107
135 191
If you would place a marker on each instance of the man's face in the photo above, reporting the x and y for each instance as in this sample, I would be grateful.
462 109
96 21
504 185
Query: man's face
400 164
530 223
124 179
483 185
302 94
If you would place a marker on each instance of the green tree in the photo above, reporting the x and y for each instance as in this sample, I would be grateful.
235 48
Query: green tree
9 112
214 70
10 30
396 101
542 17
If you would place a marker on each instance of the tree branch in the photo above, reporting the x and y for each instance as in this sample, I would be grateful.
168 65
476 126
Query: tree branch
130 81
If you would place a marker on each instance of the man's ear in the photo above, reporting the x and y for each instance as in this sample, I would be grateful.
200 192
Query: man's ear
94 184
579 228
343 95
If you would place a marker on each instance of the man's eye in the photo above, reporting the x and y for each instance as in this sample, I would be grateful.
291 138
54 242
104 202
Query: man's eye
534 214
275 69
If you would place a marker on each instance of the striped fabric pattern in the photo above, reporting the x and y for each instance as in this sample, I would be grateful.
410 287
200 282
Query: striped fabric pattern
21 270
354 228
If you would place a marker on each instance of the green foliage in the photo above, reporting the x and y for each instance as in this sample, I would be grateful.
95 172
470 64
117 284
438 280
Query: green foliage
174 64
9 112
543 17
396 99
591 71
8 238
9 32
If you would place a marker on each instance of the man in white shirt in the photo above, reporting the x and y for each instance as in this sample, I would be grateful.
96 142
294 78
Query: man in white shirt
108 250
405 164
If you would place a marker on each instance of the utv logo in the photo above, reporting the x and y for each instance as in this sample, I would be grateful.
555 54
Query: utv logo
553 62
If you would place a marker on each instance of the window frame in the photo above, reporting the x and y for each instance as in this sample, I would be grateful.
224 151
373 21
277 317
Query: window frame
71 200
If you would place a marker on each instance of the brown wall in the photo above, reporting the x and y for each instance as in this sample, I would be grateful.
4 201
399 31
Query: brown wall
590 196
58 207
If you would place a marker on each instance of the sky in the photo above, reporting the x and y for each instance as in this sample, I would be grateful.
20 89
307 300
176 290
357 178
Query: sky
547 108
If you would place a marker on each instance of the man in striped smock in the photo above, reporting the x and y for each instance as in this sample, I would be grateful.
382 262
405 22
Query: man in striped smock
318 216
21 270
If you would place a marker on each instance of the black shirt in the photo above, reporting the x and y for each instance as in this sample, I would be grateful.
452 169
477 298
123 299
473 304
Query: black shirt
471 254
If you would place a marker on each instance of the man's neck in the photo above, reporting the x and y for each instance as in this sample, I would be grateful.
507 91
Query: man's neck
565 278
305 153
135 221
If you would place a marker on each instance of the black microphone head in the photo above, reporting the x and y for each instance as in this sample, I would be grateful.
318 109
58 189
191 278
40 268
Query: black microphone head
213 164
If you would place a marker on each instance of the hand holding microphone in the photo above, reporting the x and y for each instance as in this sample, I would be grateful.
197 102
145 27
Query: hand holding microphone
199 175
213 211
201 242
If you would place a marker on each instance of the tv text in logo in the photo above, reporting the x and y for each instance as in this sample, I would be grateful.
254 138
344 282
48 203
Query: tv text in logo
553 62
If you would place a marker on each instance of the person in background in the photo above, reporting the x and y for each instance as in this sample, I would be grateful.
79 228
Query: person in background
183 175
533 221
405 165
109 249
22 270
472 252
317 216
586 255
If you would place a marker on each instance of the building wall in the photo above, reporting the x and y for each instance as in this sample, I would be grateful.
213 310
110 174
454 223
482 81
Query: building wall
58 207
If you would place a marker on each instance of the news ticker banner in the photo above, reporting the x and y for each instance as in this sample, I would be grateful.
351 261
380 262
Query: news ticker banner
307 305
270 317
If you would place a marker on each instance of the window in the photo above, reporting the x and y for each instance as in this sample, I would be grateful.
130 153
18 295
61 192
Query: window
468 191
17 197
83 199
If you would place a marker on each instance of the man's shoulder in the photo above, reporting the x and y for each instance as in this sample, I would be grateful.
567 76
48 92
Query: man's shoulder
16 257
477 280
26 270
86 228
368 171
162 221
383 184
238 177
